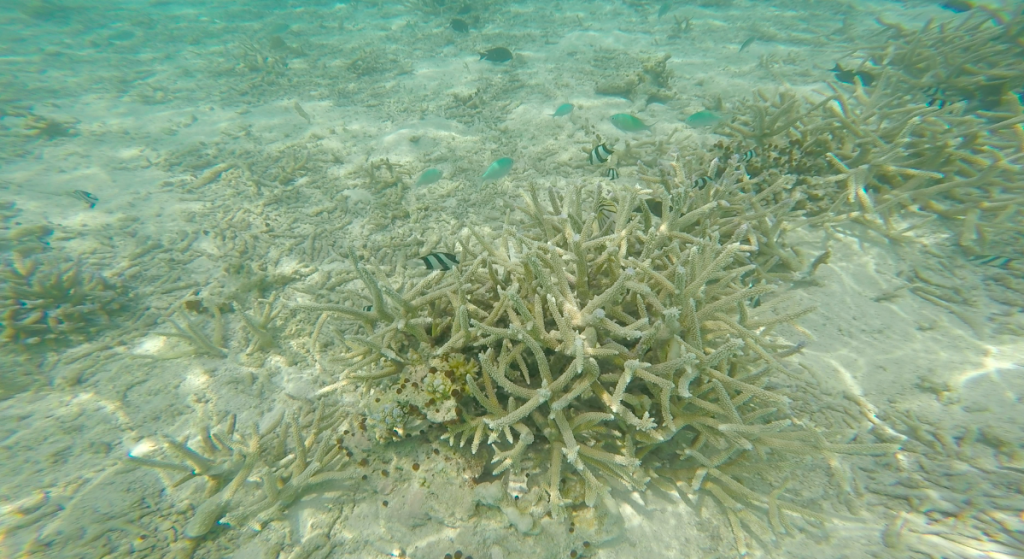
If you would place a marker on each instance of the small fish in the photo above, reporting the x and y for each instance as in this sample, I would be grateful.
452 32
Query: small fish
702 182
87 197
937 98
564 109
498 170
747 43
497 54
612 173
703 119
459 25
600 154
278 28
847 76
430 176
958 6
368 308
655 206
747 155
664 9
607 207
995 261
629 123
517 485
443 261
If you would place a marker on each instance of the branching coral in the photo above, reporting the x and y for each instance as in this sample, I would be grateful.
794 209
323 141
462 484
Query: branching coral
960 488
889 150
23 240
295 455
977 60
49 301
617 346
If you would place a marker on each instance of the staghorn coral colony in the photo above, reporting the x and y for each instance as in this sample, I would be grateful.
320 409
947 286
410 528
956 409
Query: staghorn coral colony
598 348
938 134
48 300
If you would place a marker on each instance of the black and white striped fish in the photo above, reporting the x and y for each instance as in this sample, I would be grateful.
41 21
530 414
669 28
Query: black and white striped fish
443 261
702 182
600 154
939 98
87 197
747 155
612 173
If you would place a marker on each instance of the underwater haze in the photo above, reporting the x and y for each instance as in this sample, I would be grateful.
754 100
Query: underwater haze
454 279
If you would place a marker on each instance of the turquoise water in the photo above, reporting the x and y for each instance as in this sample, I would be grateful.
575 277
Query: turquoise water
274 287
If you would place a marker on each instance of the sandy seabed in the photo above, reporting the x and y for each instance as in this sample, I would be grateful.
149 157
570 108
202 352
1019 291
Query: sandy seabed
227 165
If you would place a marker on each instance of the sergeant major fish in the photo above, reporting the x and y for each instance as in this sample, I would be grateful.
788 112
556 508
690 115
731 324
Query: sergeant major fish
847 76
600 154
443 261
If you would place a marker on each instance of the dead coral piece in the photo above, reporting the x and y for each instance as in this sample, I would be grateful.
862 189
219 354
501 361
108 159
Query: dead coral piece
202 344
259 325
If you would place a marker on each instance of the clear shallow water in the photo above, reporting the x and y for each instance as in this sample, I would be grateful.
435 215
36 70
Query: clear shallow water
235 156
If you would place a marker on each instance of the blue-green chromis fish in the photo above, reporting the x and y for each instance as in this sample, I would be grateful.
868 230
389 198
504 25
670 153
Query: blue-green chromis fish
430 176
563 110
498 170
703 118
629 123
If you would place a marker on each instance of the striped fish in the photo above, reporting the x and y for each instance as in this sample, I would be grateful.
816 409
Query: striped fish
994 261
443 261
607 207
87 197
368 308
937 97
517 485
702 182
600 154
747 155
612 173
